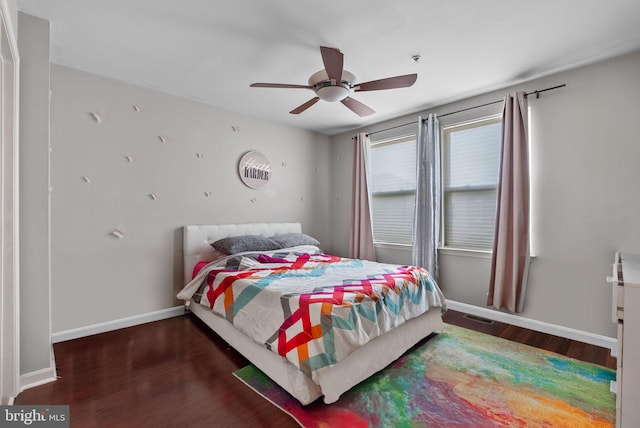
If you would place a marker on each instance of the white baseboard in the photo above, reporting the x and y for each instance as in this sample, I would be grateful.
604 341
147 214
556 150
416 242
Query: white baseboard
37 378
541 326
89 330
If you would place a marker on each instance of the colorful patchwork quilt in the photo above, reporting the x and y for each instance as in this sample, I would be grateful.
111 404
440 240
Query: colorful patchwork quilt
312 308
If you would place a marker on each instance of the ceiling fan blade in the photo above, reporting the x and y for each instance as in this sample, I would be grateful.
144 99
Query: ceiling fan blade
279 85
357 107
333 62
388 83
305 106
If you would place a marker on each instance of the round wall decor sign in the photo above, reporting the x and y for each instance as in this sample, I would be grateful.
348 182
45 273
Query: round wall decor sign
254 169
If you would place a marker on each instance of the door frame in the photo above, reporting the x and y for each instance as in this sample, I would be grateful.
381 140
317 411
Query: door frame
9 205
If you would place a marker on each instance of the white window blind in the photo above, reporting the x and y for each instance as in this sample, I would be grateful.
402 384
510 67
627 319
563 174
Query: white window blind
393 188
471 157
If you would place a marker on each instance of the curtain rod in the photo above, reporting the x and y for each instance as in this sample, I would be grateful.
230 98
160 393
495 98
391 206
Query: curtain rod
537 94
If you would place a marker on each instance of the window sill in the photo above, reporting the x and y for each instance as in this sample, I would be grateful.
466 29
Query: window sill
449 251
392 246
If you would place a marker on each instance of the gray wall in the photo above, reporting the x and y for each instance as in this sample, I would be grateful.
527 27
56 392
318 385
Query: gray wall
35 326
97 277
584 152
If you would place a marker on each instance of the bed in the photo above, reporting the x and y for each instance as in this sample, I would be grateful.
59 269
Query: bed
329 378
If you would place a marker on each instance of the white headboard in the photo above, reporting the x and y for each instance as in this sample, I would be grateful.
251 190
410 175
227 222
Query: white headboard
197 239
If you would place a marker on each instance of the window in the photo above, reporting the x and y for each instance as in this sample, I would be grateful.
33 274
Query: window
470 163
393 188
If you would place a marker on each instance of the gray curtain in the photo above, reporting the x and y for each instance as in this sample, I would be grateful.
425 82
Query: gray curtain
426 232
361 245
510 260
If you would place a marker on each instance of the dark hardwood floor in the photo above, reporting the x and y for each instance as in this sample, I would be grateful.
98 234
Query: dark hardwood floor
177 373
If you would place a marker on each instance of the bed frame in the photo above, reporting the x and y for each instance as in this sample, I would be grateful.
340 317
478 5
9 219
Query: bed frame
330 382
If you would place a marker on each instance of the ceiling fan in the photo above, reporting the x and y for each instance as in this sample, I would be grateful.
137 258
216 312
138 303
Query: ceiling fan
334 83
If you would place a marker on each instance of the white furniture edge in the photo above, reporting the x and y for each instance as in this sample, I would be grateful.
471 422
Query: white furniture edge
541 326
626 314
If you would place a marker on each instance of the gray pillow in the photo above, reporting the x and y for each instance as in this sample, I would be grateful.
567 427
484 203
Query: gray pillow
237 244
294 239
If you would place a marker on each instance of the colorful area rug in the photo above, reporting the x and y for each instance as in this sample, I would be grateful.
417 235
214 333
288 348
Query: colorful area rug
462 378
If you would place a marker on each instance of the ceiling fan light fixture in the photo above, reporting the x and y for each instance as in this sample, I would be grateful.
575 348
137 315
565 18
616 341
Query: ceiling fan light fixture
333 93
329 90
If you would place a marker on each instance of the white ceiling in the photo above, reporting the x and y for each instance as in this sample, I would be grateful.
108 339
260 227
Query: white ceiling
210 51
